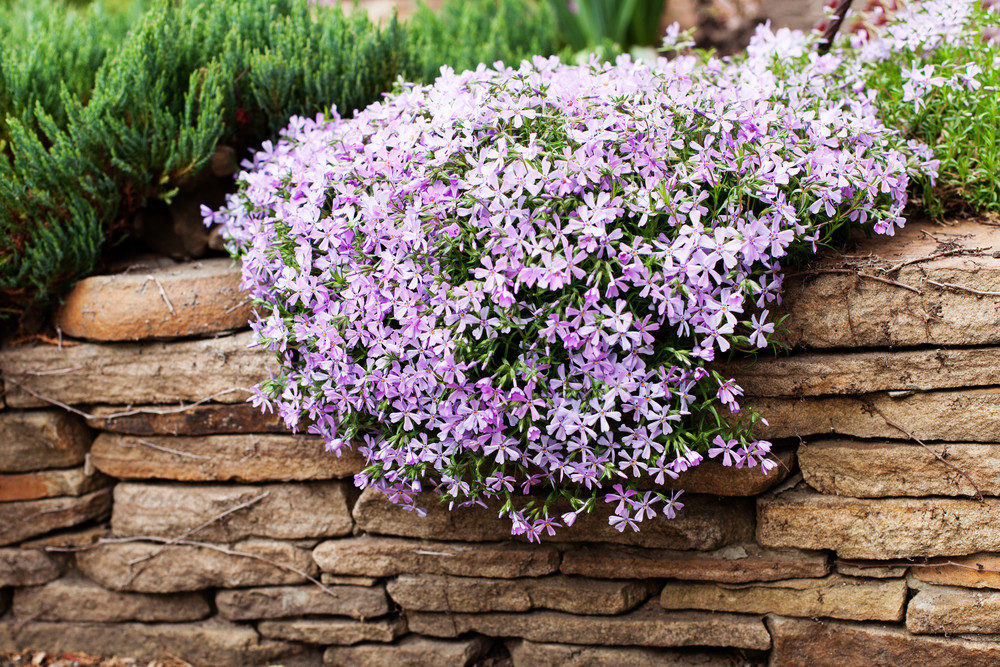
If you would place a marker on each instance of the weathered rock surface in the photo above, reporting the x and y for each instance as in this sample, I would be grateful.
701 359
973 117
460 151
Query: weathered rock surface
211 642
411 651
879 469
75 598
949 610
176 568
182 300
335 580
647 626
27 567
290 601
524 653
957 416
135 373
283 511
206 419
880 529
240 458
71 537
49 484
834 596
713 478
706 523
22 520
338 631
575 595
869 569
806 642
40 439
388 556
737 563
977 571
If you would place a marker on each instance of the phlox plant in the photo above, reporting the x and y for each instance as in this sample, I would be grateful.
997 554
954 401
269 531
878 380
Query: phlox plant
508 287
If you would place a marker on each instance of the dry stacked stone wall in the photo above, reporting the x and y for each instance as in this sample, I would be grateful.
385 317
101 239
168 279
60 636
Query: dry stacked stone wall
146 510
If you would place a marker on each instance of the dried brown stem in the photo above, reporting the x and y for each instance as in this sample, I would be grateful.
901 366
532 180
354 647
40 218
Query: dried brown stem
849 272
959 288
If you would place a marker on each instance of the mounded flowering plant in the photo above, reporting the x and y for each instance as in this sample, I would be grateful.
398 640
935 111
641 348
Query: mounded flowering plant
509 286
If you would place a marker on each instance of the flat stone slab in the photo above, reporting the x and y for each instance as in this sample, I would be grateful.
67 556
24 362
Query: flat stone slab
75 598
188 299
41 439
833 596
222 458
27 567
944 610
705 523
876 469
529 654
208 512
205 419
342 632
647 626
713 478
372 556
217 369
575 595
289 601
737 563
20 521
211 642
883 528
410 651
976 571
800 641
176 568
869 569
50 483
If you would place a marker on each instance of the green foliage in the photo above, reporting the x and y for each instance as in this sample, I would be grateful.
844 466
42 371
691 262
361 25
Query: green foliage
604 24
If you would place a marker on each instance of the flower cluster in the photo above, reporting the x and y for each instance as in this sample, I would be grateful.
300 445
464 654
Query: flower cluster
510 285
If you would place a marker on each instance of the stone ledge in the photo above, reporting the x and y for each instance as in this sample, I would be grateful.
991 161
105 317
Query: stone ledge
950 610
976 571
27 567
26 519
411 651
205 419
50 484
342 632
289 601
531 654
189 299
41 439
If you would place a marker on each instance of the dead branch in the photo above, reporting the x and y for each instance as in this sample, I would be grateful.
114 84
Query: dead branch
880 279
935 255
168 450
959 288
163 293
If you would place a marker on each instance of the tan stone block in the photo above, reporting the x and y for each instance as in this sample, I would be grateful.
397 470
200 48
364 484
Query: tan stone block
290 601
283 511
191 420
159 568
74 598
27 567
334 580
869 569
705 523
575 595
338 631
26 519
186 299
529 654
713 478
388 556
240 458
135 373
41 439
834 596
50 483
411 651
880 529
71 538
737 563
649 625
976 571
949 610
804 642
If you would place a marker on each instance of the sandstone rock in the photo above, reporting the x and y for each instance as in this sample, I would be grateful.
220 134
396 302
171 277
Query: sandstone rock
389 556
27 567
73 537
737 563
834 596
805 642
647 626
956 416
334 580
705 523
869 569
880 529
49 484
75 598
22 520
978 571
182 300
176 568
241 458
289 601
529 654
949 610
338 631
211 642
283 511
411 651
206 419
135 373
40 439
713 478
434 592
824 373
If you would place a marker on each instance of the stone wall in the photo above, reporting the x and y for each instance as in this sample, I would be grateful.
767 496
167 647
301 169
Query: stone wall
147 511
